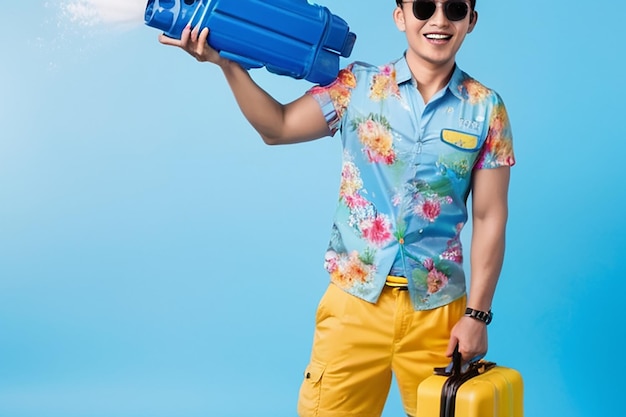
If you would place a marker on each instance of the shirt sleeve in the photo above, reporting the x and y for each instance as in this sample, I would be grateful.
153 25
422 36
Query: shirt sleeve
497 150
334 98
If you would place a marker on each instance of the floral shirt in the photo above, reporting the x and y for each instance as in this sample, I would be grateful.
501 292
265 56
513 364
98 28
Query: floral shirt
406 175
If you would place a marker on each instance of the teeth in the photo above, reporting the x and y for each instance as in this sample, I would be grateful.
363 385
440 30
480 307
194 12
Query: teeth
437 36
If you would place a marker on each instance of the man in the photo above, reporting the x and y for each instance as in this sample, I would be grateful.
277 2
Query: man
418 136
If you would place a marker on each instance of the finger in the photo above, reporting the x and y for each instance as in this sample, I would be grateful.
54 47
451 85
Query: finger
201 45
465 352
195 32
473 355
184 36
166 40
204 35
451 345
477 358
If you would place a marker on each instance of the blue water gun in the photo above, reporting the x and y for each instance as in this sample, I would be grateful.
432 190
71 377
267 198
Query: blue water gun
287 37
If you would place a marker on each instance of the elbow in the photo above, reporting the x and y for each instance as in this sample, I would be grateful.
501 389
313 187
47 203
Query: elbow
270 140
493 219
271 136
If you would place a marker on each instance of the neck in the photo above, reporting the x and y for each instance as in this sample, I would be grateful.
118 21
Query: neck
430 78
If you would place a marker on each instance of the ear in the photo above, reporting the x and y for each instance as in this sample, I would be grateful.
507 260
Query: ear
473 21
398 18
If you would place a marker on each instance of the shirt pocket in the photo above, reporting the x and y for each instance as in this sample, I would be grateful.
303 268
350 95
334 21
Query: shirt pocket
311 389
460 140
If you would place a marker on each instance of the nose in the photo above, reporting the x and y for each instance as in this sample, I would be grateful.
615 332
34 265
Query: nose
439 18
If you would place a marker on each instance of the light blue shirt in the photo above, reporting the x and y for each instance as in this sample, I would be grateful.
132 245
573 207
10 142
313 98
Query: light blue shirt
406 176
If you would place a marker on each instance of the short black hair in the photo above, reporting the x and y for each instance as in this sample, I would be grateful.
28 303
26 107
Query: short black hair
472 3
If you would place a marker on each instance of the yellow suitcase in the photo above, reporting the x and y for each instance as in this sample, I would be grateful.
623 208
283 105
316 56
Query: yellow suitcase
482 390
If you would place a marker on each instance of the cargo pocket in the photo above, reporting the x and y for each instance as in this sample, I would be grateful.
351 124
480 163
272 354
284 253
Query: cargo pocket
310 391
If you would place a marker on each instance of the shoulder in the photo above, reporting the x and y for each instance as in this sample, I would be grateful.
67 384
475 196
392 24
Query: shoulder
364 70
363 67
350 77
470 89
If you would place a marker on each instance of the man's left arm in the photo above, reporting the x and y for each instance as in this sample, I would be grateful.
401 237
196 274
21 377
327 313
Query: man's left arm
489 217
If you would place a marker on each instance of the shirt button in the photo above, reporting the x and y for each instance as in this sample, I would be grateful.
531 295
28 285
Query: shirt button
421 231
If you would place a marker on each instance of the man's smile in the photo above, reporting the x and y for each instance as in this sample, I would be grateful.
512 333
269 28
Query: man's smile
438 36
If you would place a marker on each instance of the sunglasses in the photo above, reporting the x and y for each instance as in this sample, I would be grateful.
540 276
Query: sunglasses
455 10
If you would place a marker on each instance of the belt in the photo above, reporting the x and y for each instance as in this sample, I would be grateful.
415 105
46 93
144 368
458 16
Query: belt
400 283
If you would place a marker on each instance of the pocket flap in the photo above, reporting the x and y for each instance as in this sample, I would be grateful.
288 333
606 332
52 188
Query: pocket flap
314 371
460 140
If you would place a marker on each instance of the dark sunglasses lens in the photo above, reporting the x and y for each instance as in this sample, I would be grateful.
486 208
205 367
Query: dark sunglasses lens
456 10
424 10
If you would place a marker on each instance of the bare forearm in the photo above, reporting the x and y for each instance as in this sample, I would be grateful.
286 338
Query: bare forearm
486 258
489 218
298 121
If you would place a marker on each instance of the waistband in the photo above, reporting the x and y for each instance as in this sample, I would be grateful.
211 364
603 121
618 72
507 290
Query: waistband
397 282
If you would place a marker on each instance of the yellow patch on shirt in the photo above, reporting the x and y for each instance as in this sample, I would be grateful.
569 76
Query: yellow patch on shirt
459 139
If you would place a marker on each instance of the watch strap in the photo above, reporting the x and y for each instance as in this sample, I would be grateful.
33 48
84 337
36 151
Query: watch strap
484 316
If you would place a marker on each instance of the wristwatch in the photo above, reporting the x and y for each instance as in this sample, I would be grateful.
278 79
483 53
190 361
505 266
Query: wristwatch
484 316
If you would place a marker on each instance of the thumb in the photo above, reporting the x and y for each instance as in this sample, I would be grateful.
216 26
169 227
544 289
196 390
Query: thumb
166 40
451 345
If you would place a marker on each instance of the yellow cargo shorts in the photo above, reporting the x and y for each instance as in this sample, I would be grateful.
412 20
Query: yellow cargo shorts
358 346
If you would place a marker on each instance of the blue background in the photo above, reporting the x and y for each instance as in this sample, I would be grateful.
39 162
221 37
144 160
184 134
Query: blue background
156 259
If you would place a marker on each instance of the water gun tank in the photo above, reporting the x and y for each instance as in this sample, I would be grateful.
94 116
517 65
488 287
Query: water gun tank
287 37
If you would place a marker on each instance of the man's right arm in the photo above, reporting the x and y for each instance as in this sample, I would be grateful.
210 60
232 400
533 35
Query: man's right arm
299 121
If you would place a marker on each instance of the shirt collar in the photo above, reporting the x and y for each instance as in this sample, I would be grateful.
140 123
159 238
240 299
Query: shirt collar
403 74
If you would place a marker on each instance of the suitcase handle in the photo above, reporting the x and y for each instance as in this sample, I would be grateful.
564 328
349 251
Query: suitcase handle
458 373
457 367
